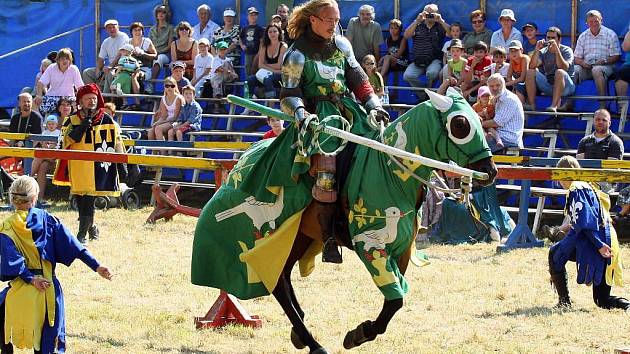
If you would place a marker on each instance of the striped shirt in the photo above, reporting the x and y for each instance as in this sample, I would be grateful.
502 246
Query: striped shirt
427 44
510 118
592 48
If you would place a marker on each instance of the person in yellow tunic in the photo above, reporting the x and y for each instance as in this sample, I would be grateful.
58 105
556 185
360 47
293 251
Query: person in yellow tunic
32 242
91 129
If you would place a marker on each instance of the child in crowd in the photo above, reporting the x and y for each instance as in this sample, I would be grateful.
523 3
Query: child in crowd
127 69
203 62
499 65
530 31
51 124
177 72
477 70
519 62
110 108
250 39
221 72
485 109
376 80
189 116
32 243
455 32
167 114
397 57
277 126
454 67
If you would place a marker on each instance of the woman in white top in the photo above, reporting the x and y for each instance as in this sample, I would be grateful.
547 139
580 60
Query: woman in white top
170 105
60 79
144 51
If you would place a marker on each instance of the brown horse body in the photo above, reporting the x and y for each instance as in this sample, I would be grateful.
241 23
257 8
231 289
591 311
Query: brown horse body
309 232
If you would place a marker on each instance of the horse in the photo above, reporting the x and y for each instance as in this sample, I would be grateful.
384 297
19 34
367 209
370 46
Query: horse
380 196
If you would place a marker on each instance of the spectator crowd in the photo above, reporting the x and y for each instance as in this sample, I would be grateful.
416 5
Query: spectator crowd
429 52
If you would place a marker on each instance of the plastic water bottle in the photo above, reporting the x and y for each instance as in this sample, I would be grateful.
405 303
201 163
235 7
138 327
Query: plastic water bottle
386 97
246 91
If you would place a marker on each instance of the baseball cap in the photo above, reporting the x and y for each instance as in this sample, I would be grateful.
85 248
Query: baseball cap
111 21
127 47
507 13
52 118
515 44
482 91
205 41
229 12
221 45
456 43
530 24
252 10
180 64
276 16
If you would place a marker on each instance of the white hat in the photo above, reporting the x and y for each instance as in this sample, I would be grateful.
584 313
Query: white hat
111 21
507 13
127 47
205 41
229 12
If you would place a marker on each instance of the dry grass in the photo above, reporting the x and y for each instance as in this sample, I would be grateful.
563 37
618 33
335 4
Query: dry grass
469 300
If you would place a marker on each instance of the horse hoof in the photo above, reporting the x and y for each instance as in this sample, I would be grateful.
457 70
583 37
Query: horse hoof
319 351
357 336
295 339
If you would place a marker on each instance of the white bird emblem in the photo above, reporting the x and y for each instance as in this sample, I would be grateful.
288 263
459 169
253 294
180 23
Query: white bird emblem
326 72
401 139
379 238
259 212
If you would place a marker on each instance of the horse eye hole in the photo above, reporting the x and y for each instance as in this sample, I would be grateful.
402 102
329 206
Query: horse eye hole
460 127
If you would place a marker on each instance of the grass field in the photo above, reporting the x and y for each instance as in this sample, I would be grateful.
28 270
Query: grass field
468 300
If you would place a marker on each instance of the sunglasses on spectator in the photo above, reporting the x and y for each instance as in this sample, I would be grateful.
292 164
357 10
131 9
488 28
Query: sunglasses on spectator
475 22
369 63
183 29
169 86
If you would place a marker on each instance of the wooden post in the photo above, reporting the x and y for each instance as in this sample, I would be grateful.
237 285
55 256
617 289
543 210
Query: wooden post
97 25
574 8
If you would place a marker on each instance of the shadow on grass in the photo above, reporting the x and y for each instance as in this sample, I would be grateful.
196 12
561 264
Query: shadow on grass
530 312
184 350
98 339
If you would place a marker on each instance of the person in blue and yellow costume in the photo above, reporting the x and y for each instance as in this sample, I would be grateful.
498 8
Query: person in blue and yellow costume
32 242
90 129
591 243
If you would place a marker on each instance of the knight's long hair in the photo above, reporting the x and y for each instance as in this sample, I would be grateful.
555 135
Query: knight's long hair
300 16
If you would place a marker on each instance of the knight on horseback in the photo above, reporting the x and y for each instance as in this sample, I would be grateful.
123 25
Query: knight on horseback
319 74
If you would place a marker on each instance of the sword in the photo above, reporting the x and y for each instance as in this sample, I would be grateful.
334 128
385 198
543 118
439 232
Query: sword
373 144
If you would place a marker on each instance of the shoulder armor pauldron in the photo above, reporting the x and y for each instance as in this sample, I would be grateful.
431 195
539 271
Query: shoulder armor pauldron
343 44
292 67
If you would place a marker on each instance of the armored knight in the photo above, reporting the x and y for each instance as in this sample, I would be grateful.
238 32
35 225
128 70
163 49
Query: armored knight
319 74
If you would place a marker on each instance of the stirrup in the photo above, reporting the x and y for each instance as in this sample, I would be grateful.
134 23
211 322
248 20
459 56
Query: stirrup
330 253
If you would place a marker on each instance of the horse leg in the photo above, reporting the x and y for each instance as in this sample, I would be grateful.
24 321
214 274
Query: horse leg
368 330
282 293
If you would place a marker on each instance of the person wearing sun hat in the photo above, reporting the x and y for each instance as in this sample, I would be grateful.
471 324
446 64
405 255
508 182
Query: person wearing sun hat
106 55
507 33
90 129
221 71
229 33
